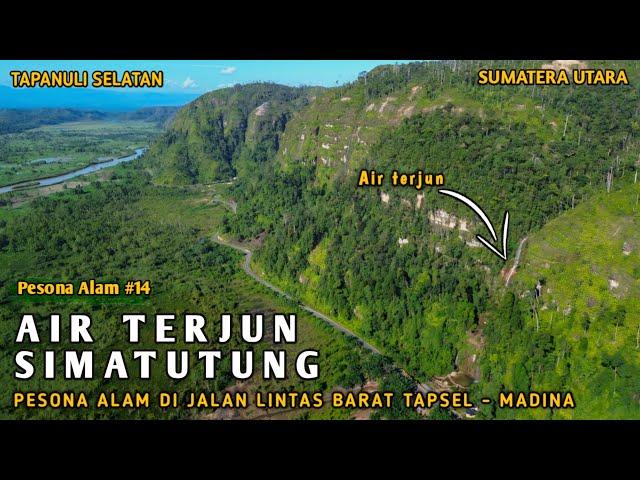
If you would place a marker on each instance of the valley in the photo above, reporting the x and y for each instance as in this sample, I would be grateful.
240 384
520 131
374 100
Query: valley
50 151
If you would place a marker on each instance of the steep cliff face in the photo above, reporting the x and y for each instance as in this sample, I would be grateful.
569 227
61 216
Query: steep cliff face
207 139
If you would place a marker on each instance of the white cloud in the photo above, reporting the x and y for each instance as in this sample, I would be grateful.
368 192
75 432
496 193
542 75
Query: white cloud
189 83
228 70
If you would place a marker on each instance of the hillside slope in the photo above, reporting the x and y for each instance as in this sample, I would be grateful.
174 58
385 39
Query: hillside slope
337 130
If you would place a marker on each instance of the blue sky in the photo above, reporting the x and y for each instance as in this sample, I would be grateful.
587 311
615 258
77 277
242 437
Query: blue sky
184 79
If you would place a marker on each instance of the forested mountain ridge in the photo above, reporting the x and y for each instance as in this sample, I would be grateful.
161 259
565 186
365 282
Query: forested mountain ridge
218 133
541 148
399 266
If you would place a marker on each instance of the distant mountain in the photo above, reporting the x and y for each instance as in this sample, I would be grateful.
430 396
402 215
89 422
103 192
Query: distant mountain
14 120
159 115
89 99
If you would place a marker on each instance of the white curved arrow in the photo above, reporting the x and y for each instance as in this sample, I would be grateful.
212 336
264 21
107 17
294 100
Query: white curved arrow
505 225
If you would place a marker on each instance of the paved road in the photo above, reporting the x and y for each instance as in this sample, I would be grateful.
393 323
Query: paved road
248 270
231 205
516 262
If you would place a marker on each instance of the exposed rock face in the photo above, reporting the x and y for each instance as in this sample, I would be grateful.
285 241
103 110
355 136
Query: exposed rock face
406 111
443 219
385 103
261 110
473 243
564 65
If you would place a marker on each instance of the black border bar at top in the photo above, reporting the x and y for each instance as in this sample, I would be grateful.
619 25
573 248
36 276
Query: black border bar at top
303 52
407 40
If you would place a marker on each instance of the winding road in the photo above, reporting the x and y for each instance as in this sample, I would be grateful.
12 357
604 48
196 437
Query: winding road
249 271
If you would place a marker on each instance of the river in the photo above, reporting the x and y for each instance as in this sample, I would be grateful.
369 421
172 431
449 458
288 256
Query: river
43 182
